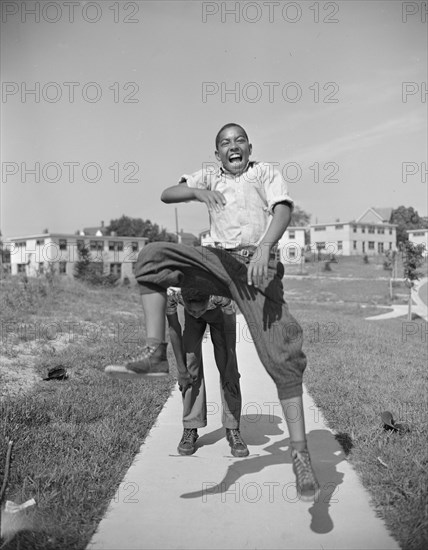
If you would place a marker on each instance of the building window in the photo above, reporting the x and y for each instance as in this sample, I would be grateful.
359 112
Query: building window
80 244
40 242
371 229
363 229
97 267
390 231
41 268
339 245
380 230
291 234
22 244
390 246
291 252
380 248
340 226
63 244
21 268
355 245
320 245
134 246
371 245
62 268
354 228
320 228
96 245
116 269
115 246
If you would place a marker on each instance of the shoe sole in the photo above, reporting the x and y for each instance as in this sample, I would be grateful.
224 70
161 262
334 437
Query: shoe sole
122 373
239 454
185 452
311 498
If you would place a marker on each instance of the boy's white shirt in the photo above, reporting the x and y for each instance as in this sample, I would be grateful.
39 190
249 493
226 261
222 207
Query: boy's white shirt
250 199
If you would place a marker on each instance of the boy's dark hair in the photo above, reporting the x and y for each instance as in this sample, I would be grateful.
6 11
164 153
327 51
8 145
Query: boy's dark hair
194 295
228 125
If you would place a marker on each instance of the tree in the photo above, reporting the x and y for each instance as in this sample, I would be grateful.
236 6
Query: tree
407 218
299 217
413 258
136 227
81 267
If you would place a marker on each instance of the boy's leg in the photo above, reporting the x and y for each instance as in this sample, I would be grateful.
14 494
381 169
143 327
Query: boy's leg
223 337
153 360
194 398
154 306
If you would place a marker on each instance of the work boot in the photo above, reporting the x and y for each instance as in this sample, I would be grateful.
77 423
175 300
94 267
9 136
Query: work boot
153 363
187 444
306 482
237 444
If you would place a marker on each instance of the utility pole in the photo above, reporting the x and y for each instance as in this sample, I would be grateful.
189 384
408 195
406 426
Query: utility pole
176 225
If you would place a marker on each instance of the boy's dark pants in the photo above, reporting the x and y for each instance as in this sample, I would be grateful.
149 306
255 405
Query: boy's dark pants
223 336
276 334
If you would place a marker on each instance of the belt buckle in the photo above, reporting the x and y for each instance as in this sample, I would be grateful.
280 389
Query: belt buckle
244 252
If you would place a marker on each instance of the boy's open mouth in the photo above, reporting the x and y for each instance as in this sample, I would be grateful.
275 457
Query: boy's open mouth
235 158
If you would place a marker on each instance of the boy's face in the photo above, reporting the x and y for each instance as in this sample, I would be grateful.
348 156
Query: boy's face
233 150
196 309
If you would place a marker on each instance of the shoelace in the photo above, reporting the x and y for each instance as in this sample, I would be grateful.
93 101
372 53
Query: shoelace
188 435
302 463
236 437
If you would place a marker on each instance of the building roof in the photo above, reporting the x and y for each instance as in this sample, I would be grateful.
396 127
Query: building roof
92 231
381 214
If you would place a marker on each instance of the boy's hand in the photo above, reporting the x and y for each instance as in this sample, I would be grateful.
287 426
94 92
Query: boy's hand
185 380
258 267
213 199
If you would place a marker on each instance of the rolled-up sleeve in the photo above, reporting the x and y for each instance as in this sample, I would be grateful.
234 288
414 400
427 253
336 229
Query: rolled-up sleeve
276 188
195 180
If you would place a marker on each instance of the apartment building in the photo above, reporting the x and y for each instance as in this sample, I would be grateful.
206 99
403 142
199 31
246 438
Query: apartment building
370 234
34 254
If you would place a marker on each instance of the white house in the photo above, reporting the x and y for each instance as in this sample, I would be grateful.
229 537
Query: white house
370 234
419 236
291 245
34 254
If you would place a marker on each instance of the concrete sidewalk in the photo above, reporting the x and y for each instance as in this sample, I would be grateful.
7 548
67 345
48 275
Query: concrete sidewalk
212 500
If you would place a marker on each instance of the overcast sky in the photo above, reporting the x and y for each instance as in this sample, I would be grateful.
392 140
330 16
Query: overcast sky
334 93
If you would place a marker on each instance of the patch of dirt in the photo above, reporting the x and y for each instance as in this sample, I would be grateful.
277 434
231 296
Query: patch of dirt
17 375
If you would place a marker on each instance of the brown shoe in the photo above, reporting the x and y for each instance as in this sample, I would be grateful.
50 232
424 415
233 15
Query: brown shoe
237 444
153 363
306 483
187 445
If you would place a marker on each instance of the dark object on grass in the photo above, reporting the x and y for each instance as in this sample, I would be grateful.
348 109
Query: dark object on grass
57 373
345 441
390 425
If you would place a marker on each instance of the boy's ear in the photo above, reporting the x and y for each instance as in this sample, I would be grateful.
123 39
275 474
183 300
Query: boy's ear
250 148
217 156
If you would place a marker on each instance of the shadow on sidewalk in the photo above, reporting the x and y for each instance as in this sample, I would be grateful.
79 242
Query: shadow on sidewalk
326 454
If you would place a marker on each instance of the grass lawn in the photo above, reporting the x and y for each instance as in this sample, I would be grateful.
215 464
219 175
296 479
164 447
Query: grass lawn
356 370
75 439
